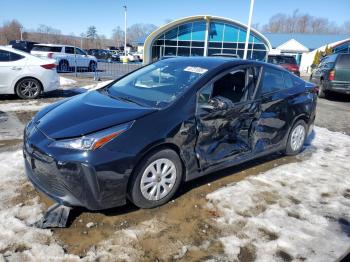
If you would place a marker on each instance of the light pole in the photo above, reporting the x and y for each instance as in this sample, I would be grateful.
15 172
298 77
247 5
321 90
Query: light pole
125 26
21 30
248 29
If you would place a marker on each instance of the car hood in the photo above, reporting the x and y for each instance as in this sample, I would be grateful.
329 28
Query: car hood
87 113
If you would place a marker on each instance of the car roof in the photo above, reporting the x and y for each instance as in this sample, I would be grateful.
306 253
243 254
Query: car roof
281 55
215 62
53 45
11 49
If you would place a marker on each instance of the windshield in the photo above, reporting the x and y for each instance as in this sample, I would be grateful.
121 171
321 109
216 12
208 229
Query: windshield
158 84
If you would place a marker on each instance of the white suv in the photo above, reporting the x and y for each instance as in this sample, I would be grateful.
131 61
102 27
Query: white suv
66 56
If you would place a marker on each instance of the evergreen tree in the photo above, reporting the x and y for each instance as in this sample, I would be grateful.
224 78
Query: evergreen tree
317 58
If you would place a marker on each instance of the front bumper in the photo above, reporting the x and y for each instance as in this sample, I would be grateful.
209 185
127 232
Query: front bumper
73 183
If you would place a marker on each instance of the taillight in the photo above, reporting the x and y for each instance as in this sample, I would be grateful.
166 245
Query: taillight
331 75
50 55
48 66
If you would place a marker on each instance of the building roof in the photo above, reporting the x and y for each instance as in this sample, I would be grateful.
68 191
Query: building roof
293 46
311 41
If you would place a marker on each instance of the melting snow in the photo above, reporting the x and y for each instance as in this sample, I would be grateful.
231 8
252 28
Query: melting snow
10 127
34 105
19 241
66 81
294 211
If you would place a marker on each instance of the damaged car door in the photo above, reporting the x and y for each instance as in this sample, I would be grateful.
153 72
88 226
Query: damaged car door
225 112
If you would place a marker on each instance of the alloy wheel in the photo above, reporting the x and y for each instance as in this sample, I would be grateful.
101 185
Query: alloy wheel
29 89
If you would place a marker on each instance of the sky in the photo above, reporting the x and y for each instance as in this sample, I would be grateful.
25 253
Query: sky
74 16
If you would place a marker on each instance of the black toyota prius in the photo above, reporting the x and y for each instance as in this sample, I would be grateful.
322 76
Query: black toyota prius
143 135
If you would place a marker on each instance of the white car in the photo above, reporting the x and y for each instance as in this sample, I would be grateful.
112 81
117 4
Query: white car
26 75
131 57
66 56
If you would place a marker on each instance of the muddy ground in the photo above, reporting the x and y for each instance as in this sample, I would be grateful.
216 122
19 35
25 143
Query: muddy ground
187 229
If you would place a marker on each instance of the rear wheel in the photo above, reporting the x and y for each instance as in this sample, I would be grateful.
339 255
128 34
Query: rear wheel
63 66
156 179
28 88
296 138
322 93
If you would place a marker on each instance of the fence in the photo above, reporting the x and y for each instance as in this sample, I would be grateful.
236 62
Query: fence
99 70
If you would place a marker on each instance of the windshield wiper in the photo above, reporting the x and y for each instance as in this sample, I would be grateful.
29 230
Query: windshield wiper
124 98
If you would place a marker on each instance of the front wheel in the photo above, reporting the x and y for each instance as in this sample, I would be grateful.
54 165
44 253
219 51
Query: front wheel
296 138
92 66
156 179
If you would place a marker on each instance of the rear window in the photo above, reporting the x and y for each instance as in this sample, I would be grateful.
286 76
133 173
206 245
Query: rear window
278 60
44 48
343 61
272 81
291 80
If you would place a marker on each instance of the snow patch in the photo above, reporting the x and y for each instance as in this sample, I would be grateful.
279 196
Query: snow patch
294 211
66 81
35 105
19 241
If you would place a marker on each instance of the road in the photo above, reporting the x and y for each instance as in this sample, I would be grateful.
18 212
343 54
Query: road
184 221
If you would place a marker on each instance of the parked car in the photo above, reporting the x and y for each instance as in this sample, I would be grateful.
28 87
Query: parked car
104 55
143 135
25 46
286 61
26 75
333 74
131 57
66 56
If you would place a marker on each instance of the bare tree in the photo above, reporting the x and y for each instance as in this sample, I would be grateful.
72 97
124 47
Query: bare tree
10 31
301 23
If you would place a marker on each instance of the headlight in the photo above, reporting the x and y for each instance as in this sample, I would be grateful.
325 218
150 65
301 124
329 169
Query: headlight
92 141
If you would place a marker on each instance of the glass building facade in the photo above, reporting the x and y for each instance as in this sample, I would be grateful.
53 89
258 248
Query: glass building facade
207 37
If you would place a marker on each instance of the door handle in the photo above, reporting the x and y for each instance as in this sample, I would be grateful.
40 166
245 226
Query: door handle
16 68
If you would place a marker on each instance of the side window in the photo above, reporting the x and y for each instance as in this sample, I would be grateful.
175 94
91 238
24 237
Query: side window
4 56
237 86
204 95
80 52
15 57
272 80
69 50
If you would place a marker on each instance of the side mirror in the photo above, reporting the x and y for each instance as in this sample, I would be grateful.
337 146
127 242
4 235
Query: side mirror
218 103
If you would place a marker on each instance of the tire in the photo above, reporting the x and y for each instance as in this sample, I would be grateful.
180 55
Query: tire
92 66
296 138
322 93
63 66
149 188
28 88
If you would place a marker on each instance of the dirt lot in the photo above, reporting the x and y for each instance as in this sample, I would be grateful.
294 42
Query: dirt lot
184 228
